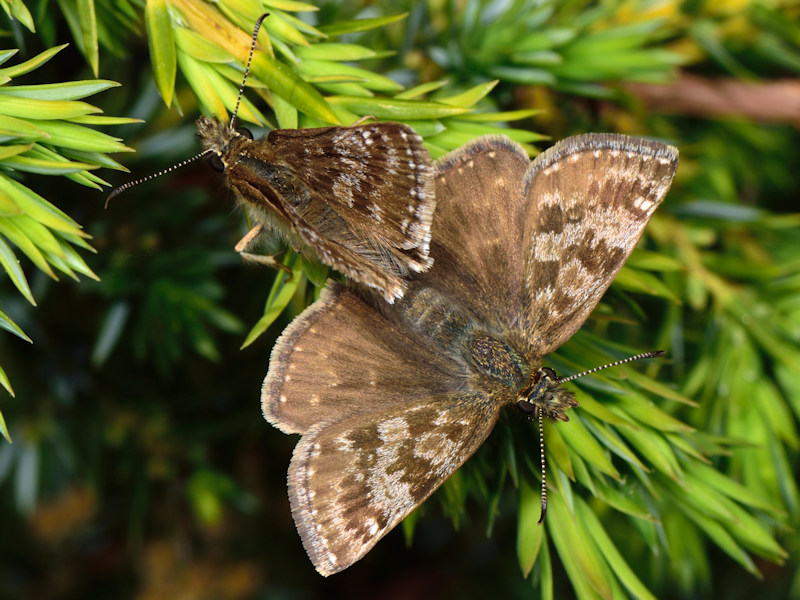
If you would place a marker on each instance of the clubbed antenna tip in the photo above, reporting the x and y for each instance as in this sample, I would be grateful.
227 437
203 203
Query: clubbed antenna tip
130 184
247 69
653 354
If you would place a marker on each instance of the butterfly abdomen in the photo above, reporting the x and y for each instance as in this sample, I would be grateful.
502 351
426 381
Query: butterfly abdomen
436 317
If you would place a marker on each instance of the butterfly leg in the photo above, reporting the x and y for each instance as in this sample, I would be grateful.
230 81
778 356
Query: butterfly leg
244 243
364 119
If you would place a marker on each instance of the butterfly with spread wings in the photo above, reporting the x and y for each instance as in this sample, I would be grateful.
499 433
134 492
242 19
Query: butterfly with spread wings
391 400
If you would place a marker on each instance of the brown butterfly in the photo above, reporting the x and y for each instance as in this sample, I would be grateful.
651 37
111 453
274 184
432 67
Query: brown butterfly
359 198
391 400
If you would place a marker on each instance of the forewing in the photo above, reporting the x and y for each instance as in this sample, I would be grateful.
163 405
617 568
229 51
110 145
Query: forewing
351 481
377 177
340 357
588 201
333 244
477 229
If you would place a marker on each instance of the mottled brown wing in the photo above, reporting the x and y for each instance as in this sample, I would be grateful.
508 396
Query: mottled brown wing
377 177
477 229
351 481
341 357
589 198
321 233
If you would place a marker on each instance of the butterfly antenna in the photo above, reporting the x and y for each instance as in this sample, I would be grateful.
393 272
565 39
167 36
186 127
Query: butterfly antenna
653 354
560 380
247 68
130 184
544 476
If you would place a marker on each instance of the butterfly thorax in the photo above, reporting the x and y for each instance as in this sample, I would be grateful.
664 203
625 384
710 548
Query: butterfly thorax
540 394
494 358
545 396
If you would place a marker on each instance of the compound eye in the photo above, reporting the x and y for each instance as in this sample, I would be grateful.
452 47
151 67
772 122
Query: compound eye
547 371
216 163
244 132
527 407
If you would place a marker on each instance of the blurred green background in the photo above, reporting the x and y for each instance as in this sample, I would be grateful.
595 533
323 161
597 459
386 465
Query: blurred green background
141 466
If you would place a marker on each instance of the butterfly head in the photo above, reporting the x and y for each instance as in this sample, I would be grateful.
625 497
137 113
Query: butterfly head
544 396
218 139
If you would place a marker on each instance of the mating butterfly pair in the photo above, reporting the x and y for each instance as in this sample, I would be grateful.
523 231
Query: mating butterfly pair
392 394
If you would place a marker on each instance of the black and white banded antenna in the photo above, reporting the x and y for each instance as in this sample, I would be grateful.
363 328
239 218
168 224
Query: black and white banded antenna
183 163
653 354
561 380
247 69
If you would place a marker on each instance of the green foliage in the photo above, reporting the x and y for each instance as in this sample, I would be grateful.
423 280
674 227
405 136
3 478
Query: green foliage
576 47
303 75
672 479
56 142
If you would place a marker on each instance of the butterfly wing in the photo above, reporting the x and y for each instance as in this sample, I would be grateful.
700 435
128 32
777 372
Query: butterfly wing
589 198
341 356
477 231
386 418
324 235
376 177
352 480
